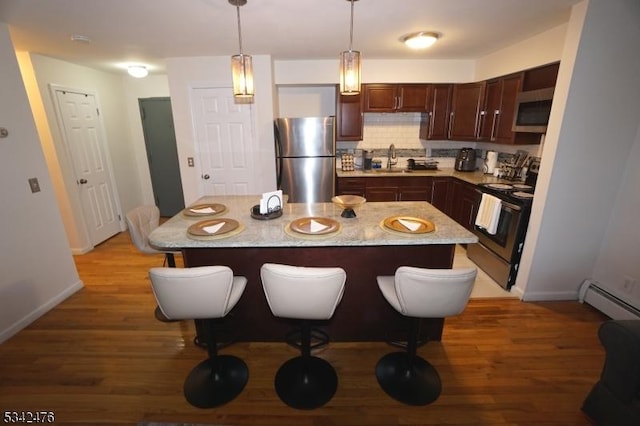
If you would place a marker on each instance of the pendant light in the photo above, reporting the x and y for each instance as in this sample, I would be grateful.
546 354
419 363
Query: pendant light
350 65
241 65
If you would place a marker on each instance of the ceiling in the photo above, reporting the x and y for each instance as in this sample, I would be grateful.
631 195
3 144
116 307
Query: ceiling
147 31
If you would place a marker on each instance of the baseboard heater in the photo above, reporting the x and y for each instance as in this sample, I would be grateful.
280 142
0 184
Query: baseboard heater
606 302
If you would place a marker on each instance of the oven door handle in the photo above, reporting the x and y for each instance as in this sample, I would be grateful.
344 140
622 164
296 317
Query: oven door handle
504 203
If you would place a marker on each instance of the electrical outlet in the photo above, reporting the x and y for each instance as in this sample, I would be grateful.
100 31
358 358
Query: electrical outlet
34 184
190 161
629 283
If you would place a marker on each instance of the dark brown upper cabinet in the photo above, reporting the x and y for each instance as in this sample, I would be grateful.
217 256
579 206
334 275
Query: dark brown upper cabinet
395 97
349 119
499 109
466 109
434 123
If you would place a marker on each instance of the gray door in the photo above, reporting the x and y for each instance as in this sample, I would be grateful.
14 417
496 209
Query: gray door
162 154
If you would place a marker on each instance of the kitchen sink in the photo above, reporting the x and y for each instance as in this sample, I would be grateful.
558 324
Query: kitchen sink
392 171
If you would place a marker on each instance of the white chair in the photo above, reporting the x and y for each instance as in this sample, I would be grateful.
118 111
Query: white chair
141 221
420 293
304 294
204 293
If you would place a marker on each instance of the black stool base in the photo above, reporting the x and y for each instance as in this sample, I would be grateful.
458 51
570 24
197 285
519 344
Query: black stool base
160 316
412 381
306 382
205 388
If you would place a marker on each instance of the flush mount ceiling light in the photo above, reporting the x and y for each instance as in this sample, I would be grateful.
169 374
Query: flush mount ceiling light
81 38
138 71
241 65
420 40
350 65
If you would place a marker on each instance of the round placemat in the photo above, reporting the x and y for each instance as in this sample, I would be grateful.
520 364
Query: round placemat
216 207
212 237
393 223
317 236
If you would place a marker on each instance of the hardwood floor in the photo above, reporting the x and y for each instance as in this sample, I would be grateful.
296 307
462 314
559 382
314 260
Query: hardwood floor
101 357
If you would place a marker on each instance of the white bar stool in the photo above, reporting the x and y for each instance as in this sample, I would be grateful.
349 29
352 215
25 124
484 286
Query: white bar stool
205 293
420 293
305 294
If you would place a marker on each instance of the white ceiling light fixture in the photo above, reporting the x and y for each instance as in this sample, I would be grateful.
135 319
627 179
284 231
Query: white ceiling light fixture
241 65
421 39
138 71
350 65
80 38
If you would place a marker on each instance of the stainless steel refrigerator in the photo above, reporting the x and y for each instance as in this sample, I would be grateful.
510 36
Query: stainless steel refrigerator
306 158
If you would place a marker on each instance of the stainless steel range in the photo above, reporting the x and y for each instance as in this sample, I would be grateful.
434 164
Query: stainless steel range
498 254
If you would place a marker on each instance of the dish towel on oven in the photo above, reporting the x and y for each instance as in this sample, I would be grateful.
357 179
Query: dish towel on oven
489 213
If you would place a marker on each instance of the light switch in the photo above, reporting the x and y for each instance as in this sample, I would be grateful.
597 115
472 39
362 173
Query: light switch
35 186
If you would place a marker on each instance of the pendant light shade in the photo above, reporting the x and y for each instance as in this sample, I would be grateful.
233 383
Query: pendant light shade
350 66
241 65
242 71
350 72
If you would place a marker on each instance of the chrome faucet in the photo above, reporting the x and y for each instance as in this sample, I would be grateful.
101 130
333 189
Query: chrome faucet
392 160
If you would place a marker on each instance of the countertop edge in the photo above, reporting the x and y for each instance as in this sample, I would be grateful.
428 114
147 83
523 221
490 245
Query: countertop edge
475 178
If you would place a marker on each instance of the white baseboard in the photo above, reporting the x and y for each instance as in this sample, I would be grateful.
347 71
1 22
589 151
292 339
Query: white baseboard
607 302
81 250
543 296
16 327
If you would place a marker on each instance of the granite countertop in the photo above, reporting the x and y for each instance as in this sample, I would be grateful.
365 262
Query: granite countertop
474 178
363 230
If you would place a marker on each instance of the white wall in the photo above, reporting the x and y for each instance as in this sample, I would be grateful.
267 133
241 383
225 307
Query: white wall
188 73
37 267
111 99
618 257
592 129
306 101
376 71
541 49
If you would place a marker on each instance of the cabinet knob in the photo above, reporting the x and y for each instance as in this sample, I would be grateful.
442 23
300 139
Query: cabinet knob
82 181
205 177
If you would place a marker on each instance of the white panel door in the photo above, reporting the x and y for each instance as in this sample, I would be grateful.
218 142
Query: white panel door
83 137
224 142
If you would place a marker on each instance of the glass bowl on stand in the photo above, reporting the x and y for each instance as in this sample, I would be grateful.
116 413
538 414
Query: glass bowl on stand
348 203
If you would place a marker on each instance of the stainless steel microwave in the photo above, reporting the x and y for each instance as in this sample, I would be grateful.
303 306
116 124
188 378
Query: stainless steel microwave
533 108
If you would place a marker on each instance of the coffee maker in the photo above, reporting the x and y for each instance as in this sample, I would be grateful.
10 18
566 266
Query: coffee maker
466 160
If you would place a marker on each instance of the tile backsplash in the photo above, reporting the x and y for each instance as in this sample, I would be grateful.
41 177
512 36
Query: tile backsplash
403 129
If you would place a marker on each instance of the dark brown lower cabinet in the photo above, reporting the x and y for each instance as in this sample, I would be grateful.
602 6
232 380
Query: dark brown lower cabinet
441 194
465 203
350 186
384 188
454 197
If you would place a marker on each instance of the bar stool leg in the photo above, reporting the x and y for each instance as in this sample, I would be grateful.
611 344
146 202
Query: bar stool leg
306 382
407 377
216 380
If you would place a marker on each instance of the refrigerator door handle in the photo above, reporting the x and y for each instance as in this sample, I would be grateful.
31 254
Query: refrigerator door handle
278 156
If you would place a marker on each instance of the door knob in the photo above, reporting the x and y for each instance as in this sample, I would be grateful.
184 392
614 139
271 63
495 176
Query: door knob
205 177
83 181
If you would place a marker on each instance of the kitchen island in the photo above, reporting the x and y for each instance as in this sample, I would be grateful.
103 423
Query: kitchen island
362 246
